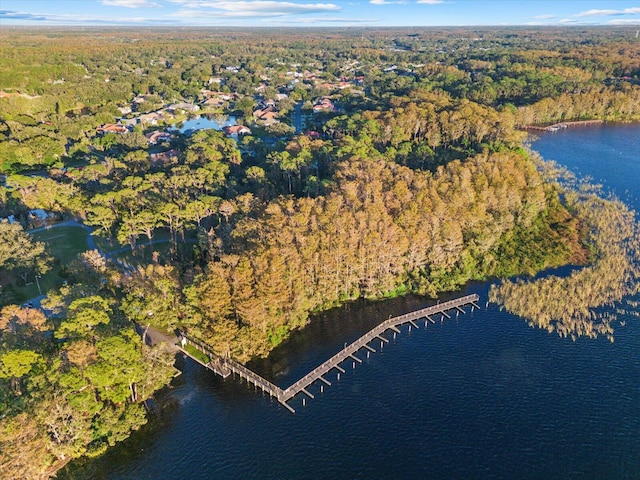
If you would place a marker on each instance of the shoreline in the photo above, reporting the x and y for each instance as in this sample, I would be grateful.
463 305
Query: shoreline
554 127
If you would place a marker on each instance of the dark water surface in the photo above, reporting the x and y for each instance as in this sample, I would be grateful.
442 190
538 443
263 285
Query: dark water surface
481 396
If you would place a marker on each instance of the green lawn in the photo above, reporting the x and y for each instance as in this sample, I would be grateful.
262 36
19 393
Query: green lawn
197 354
63 244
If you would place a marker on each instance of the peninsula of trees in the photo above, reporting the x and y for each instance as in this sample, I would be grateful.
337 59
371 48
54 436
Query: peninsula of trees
233 183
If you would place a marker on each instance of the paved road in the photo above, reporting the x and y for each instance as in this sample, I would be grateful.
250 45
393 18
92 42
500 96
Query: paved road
297 117
152 337
127 248
34 302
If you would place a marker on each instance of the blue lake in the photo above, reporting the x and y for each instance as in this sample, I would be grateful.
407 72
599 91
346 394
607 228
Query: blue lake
480 396
201 122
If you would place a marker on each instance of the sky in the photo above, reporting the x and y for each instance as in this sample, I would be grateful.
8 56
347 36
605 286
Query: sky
301 13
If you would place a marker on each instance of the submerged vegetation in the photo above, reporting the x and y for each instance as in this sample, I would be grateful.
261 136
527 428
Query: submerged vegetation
581 303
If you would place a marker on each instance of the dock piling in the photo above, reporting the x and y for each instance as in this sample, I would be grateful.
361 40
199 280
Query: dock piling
226 366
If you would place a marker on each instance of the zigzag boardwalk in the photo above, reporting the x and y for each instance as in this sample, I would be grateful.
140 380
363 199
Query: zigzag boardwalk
226 366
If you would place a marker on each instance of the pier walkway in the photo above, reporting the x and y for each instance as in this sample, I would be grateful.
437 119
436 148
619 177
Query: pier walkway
226 366
561 126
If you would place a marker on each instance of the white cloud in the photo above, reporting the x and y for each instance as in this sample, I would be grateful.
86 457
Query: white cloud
430 2
624 21
566 21
385 2
594 13
544 17
130 3
71 19
249 8
252 8
608 12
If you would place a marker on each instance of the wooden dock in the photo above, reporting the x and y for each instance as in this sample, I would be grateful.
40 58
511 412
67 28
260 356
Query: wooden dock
227 366
561 126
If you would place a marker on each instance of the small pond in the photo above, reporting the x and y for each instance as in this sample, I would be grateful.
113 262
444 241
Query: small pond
200 122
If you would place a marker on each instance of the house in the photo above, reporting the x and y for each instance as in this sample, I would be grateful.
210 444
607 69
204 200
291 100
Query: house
214 102
151 118
129 122
327 86
187 107
112 128
267 115
324 105
217 96
222 95
125 110
157 136
265 106
164 157
140 98
40 218
236 130
269 118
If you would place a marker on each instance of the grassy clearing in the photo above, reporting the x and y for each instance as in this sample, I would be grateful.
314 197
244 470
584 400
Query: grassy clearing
63 244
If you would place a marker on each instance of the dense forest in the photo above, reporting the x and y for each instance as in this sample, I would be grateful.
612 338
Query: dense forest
371 163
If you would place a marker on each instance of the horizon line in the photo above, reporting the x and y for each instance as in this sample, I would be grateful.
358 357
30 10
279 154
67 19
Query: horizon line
306 27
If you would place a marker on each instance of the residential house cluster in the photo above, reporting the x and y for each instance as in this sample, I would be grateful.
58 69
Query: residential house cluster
216 99
266 113
341 85
324 104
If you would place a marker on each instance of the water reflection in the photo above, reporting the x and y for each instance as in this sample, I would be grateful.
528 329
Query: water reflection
206 121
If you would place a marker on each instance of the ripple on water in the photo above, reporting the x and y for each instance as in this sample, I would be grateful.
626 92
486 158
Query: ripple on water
483 396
